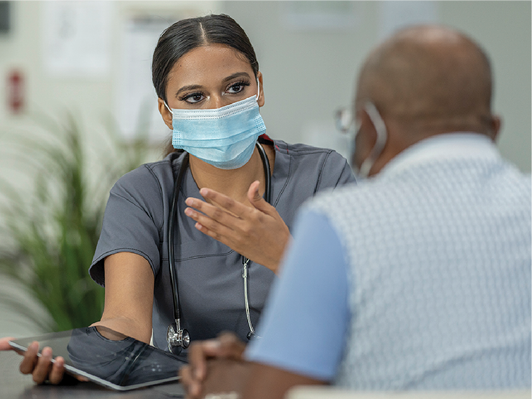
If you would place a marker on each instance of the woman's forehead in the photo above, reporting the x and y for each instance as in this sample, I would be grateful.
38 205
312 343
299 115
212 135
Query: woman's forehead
208 64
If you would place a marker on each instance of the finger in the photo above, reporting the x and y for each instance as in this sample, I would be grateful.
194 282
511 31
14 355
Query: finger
230 346
198 354
212 226
27 365
258 201
192 388
253 192
58 370
225 202
4 343
44 366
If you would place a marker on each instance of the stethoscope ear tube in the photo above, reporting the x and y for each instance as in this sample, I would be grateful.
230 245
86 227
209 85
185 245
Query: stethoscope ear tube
176 337
267 174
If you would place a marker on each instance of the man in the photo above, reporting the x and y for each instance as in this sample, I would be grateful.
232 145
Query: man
418 278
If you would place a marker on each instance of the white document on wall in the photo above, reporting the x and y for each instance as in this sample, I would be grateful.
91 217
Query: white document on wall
137 102
394 15
76 38
319 15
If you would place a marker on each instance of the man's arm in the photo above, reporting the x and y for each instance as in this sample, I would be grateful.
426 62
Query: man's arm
303 326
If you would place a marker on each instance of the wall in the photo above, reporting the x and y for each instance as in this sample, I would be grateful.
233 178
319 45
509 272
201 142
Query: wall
92 101
309 73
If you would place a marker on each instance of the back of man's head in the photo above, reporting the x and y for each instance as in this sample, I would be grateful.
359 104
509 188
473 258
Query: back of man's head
429 79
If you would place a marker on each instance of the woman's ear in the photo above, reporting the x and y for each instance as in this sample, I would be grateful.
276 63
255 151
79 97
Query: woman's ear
165 113
260 100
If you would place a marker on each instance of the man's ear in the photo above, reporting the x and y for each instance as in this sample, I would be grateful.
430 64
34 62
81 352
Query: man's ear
260 100
495 127
165 113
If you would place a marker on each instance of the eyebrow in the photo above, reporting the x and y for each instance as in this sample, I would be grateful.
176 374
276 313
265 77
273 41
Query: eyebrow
196 87
190 87
235 75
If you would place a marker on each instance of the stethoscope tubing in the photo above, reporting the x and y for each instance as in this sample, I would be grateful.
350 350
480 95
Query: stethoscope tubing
171 225
171 259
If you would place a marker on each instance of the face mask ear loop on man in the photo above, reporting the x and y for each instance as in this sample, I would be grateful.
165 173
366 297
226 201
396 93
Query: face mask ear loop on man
382 136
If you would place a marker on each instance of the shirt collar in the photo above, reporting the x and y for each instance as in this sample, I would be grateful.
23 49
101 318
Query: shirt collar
448 146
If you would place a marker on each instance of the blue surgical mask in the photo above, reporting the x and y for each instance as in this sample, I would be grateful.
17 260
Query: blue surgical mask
223 137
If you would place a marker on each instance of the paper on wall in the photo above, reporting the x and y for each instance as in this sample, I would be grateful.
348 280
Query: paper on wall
319 15
76 38
136 98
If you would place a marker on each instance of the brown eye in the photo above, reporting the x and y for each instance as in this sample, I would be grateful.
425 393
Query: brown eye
236 88
193 98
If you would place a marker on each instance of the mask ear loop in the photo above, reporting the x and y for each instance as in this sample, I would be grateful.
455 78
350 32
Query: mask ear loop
168 108
382 136
258 89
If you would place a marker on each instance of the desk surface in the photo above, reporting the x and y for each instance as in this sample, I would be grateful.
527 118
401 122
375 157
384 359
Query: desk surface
14 385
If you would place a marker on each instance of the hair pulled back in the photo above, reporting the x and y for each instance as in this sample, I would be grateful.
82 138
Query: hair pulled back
187 34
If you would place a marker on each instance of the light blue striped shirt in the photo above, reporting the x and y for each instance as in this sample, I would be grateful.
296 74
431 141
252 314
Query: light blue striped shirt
416 279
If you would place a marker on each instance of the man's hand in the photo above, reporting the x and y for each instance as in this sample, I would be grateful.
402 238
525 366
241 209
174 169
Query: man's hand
194 376
258 232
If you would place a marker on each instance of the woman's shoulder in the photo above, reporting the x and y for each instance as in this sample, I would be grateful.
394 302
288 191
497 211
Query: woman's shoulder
328 167
308 152
304 153
152 177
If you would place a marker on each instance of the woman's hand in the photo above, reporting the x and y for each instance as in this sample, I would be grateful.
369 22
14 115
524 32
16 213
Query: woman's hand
227 347
258 233
40 367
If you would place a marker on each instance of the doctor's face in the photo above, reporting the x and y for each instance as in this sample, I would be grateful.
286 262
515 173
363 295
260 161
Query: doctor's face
209 77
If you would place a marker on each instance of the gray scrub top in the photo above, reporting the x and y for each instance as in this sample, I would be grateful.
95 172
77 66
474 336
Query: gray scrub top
209 273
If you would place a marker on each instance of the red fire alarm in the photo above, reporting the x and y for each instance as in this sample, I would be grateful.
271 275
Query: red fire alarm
15 91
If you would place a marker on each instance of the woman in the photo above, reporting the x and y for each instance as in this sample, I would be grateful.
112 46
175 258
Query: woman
207 78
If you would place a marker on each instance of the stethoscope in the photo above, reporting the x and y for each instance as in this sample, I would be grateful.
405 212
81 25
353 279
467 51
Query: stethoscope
176 337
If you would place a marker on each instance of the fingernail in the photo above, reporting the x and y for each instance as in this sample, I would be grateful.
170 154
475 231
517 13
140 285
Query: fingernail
47 352
34 345
197 374
189 201
212 344
188 212
194 390
203 191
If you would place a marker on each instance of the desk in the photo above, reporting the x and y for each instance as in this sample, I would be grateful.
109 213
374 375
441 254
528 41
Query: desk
14 385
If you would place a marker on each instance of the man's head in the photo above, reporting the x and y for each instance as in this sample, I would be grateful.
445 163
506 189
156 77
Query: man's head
423 81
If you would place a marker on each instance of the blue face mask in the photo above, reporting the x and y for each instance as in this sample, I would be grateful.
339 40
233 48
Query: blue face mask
223 137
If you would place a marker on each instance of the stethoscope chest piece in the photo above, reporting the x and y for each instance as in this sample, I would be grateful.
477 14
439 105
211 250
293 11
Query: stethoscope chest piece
177 338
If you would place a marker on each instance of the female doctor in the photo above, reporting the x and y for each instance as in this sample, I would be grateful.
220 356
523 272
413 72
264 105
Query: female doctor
209 90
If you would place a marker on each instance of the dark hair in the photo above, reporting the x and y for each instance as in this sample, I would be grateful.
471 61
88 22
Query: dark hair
190 33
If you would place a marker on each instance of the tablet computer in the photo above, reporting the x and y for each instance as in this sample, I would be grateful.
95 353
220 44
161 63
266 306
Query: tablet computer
108 358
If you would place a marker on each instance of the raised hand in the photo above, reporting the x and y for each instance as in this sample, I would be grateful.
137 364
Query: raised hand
258 232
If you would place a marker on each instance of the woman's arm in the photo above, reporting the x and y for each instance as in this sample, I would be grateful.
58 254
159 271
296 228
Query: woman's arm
129 283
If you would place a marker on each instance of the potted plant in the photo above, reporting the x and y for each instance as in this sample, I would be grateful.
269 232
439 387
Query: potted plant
55 226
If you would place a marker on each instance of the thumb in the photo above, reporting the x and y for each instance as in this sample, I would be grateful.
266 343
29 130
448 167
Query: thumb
4 343
256 199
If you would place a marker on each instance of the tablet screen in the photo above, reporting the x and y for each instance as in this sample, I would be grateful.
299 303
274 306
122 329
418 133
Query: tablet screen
109 358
